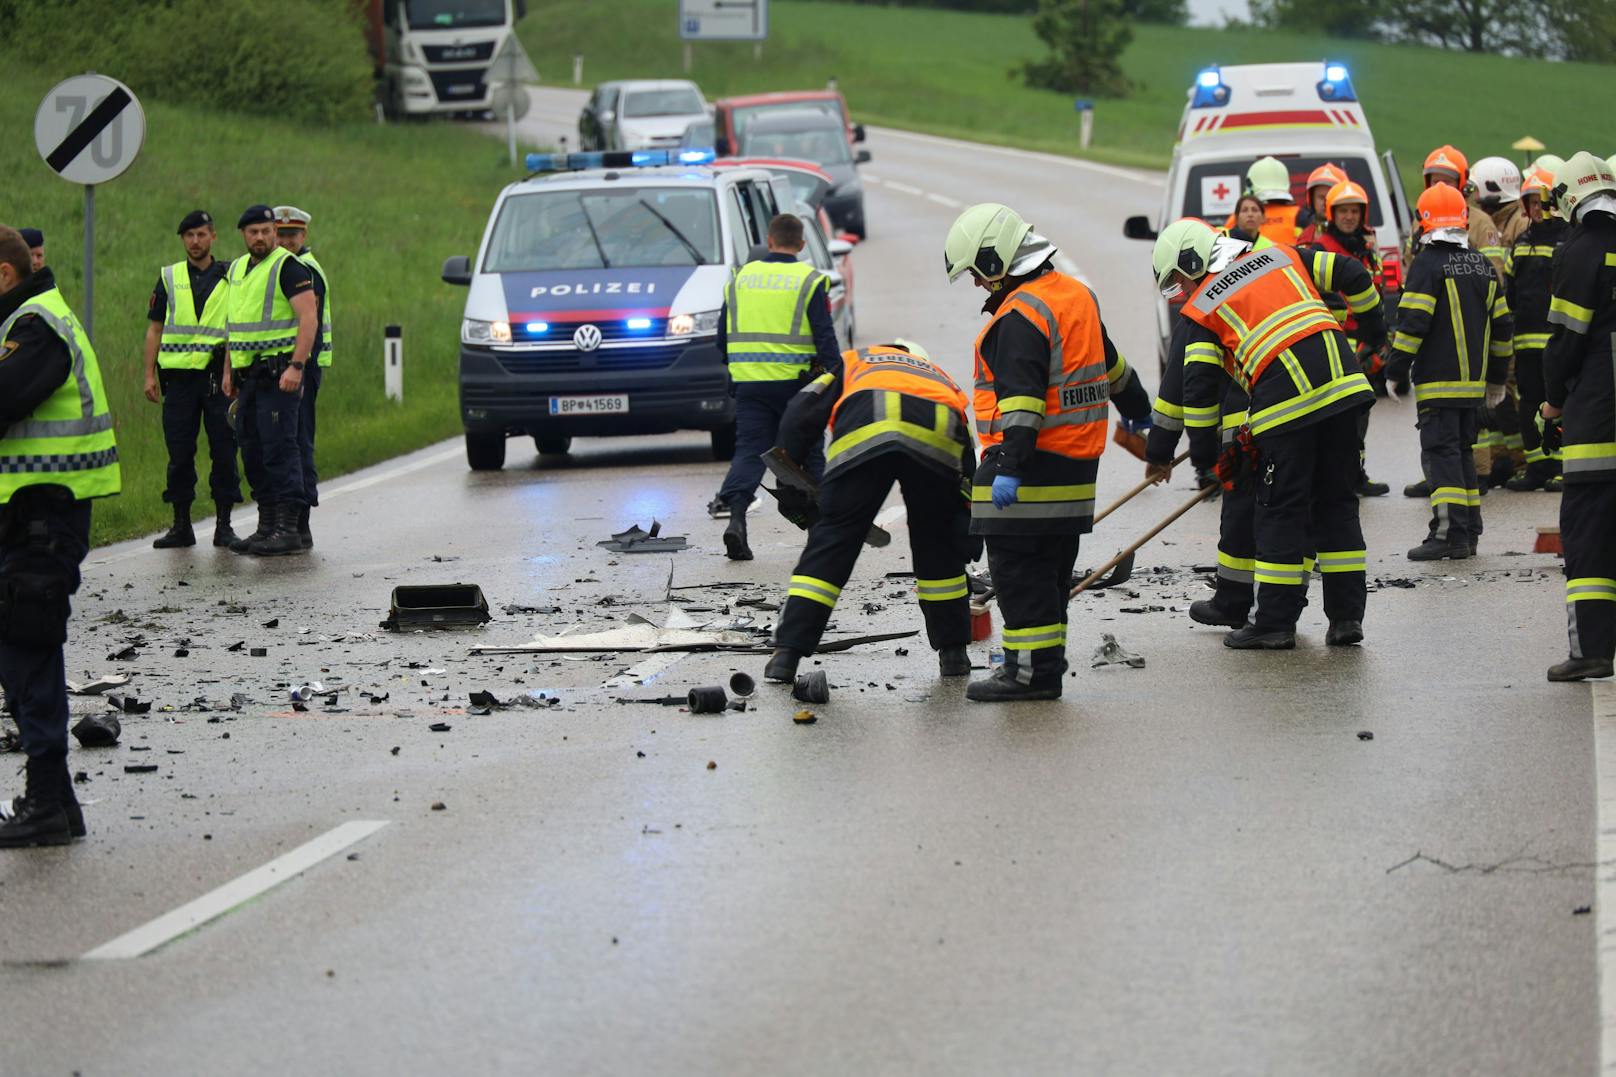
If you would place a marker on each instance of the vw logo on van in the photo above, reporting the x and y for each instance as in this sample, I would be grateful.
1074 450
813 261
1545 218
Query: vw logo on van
587 338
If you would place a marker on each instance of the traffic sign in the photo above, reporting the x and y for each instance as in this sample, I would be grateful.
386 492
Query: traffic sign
724 20
89 129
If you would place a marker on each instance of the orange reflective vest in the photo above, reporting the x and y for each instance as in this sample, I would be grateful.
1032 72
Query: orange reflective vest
1261 305
892 399
1071 415
1279 223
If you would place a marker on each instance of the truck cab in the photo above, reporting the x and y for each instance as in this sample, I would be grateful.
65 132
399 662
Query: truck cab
434 56
1304 114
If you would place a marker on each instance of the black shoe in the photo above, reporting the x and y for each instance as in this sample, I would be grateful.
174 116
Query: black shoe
283 539
180 533
266 524
782 667
1368 487
1417 489
41 812
304 535
10 809
1474 547
1554 485
1344 633
1207 612
1252 638
1535 477
718 509
1435 550
954 662
1004 688
1580 669
735 546
1503 471
223 533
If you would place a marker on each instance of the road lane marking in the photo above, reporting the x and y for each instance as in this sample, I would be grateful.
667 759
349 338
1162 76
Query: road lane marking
215 903
871 179
903 188
1141 176
1604 701
944 200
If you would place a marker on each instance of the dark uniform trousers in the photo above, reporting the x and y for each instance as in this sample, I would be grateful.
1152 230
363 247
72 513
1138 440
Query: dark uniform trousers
313 375
1237 550
270 451
1033 577
1446 435
939 517
193 403
758 408
1588 536
44 537
1306 502
1529 386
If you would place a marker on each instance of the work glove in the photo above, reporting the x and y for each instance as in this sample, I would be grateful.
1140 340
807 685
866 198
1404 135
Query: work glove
1237 460
1136 426
1205 477
1370 360
1552 432
1398 373
1495 396
1006 491
798 506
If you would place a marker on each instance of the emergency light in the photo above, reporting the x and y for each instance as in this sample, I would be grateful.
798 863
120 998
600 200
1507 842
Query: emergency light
577 162
1337 84
1210 91
638 323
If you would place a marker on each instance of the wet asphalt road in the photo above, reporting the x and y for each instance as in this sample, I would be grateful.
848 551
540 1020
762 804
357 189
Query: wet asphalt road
1195 867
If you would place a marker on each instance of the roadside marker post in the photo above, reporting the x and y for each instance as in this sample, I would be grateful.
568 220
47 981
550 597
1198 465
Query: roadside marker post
1085 121
393 362
89 129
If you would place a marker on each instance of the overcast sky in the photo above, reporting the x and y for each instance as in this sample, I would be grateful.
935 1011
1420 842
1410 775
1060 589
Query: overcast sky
1212 12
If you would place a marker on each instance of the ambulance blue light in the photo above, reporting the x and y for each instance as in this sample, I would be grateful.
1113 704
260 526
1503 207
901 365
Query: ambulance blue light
538 327
1337 84
1209 78
1210 90
638 323
1335 73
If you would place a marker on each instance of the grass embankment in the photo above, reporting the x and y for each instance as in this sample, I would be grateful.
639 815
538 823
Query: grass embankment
947 73
389 203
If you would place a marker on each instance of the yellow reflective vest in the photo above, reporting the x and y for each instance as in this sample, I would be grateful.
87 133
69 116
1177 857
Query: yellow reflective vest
324 349
188 341
767 337
261 321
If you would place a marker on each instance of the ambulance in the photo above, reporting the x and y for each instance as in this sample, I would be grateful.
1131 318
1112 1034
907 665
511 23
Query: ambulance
1304 114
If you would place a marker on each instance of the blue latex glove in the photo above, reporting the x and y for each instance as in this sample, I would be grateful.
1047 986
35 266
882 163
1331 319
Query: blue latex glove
1136 426
1005 490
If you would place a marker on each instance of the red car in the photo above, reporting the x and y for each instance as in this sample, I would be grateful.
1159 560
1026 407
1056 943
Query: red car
732 114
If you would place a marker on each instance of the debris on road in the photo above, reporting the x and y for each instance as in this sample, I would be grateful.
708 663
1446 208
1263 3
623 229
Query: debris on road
712 764
805 717
1364 734
742 684
707 700
812 687
516 611
140 768
1110 653
97 731
129 705
99 685
444 605
437 805
440 727
124 654
638 540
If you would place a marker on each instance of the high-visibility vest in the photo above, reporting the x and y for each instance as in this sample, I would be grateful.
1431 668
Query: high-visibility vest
260 320
308 259
68 440
1071 415
1279 224
892 399
188 341
767 337
1258 307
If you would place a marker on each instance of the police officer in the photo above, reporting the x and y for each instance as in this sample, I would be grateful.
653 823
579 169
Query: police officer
1045 372
773 329
894 417
292 232
1579 374
185 357
1454 340
57 454
1529 286
1262 321
36 248
273 320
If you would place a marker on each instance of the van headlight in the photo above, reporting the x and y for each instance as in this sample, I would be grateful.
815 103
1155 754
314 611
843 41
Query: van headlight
473 331
704 324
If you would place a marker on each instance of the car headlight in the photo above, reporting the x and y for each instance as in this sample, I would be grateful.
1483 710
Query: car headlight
704 324
473 331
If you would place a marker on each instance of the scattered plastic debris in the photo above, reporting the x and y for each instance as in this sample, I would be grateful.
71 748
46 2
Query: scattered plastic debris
125 654
708 700
446 605
440 727
742 684
811 687
99 685
638 540
140 768
1110 653
805 717
515 611
97 731
1364 734
129 705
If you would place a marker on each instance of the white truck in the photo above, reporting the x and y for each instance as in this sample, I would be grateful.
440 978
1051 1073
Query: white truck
1305 114
433 56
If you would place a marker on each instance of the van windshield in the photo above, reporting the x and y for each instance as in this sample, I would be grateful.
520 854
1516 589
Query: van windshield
604 229
1213 187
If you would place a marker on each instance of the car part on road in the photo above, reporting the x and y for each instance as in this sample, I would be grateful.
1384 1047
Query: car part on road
99 685
813 687
97 731
805 717
790 473
638 540
128 705
1127 555
1110 653
449 605
707 700
742 685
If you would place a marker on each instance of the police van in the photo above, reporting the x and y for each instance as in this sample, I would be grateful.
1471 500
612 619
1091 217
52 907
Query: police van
1304 114
595 294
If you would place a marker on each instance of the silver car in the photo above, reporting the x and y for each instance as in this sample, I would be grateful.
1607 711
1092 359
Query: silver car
649 114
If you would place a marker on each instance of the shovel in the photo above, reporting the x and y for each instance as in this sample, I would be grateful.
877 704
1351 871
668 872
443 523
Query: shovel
1122 563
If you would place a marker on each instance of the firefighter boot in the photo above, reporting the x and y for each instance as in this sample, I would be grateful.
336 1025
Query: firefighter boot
266 524
954 662
40 814
1579 669
1206 611
282 538
1344 633
223 533
1536 477
180 533
735 546
1252 638
1417 489
782 667
1435 549
1367 487
1002 687
304 535
1502 472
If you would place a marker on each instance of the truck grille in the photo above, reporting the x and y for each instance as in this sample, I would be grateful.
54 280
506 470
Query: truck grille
451 86
458 54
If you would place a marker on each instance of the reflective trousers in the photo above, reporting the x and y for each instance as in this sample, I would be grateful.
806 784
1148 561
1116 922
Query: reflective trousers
1033 576
1588 537
1237 550
938 518
1529 383
1446 435
758 408
268 421
1306 504
192 403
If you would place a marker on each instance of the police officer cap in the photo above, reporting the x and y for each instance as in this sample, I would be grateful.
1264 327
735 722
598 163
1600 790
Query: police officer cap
195 219
259 214
32 236
290 217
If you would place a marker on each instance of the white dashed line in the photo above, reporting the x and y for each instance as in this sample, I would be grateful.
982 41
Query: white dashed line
871 179
1604 700
903 188
944 200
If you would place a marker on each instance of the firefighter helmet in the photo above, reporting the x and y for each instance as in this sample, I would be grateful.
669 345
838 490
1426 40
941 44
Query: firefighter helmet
1326 175
1582 177
1269 180
1548 162
985 240
1446 165
1497 180
1345 193
911 347
1442 206
1184 245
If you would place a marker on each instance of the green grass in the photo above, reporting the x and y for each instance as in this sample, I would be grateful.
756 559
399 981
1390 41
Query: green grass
389 203
947 73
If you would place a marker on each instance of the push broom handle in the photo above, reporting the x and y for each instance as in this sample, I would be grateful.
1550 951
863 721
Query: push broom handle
1200 496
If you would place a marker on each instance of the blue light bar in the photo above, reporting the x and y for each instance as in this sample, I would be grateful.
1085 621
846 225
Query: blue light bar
697 157
638 323
1208 78
538 327
1337 83
1335 73
1210 91
575 162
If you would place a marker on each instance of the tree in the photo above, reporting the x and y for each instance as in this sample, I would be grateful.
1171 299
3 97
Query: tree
1166 12
1338 18
1086 39
1517 26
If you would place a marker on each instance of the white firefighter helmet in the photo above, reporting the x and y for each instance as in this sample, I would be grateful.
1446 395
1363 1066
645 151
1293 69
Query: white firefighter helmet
1497 181
1581 178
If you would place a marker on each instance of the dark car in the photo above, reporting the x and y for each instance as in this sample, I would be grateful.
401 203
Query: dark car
597 114
698 136
734 114
816 137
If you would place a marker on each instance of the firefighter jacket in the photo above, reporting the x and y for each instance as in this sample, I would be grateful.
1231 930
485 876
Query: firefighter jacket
1360 247
882 400
1046 372
1528 285
1485 238
1256 320
1579 365
1453 326
1170 419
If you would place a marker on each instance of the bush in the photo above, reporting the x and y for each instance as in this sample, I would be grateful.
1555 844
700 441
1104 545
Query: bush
294 59
1086 39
